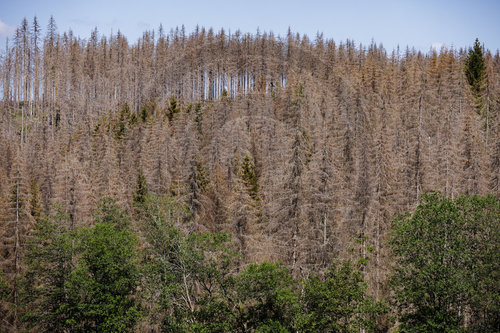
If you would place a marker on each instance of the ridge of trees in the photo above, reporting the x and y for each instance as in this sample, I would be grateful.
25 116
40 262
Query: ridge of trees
300 149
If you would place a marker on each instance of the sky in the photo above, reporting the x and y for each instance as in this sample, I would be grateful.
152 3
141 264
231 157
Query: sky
420 24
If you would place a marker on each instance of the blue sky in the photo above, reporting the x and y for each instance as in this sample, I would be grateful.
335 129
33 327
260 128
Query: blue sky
418 24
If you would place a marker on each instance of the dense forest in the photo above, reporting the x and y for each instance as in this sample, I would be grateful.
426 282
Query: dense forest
234 182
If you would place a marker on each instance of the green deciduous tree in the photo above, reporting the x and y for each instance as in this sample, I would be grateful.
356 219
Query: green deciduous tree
49 255
82 280
482 220
446 277
187 276
266 299
106 277
337 302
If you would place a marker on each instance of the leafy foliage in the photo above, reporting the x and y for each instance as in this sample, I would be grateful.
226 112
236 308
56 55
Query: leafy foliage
338 302
186 275
4 289
267 299
82 280
49 256
88 280
443 253
191 285
107 273
482 216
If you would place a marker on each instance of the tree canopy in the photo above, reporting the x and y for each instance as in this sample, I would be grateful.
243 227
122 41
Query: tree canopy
446 274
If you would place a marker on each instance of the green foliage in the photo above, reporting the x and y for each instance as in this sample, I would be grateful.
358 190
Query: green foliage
482 216
212 260
186 275
271 326
249 176
82 280
49 256
475 68
197 185
106 276
89 280
157 215
202 173
299 90
100 124
35 201
5 295
150 108
144 114
58 119
337 302
108 212
224 96
5 291
266 298
121 124
198 178
4 288
141 189
198 116
445 263
173 108
132 120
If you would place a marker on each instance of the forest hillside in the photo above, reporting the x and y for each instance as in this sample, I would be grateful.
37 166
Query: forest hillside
301 149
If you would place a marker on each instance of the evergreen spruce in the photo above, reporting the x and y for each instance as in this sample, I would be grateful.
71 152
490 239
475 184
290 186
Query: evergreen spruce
173 108
141 189
475 69
249 176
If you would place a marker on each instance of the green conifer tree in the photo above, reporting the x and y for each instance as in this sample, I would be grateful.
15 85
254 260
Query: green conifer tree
475 69
249 176
173 108
141 189
35 201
